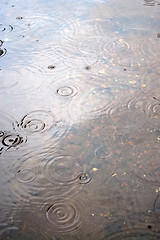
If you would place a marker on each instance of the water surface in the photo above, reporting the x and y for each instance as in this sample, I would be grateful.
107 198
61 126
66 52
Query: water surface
79 120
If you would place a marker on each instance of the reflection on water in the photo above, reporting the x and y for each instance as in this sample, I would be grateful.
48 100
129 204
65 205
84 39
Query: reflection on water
79 120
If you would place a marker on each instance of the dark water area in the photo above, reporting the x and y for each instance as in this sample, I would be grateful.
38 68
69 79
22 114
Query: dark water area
79 120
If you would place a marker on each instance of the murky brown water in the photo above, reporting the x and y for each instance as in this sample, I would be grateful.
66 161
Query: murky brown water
79 120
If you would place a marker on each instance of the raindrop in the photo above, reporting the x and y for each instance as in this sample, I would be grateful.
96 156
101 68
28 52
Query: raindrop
51 67
65 215
83 178
25 176
19 18
87 67
1 42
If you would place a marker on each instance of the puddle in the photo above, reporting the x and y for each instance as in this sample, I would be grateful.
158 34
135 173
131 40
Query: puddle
79 120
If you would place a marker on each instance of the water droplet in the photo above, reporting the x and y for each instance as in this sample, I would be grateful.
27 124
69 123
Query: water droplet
19 18
51 67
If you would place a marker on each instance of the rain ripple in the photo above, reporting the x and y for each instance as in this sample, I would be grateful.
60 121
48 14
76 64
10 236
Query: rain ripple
74 59
149 47
9 138
37 121
134 234
65 215
44 124
21 80
3 52
147 106
98 99
64 170
26 175
141 160
5 29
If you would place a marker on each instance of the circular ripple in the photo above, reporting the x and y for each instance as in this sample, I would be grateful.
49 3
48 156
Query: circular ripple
149 48
10 81
150 78
62 169
67 91
26 176
6 123
92 45
157 207
21 80
148 2
1 42
141 160
97 100
12 140
73 58
133 235
5 28
125 50
37 121
83 178
1 134
115 46
65 215
84 28
2 52
149 107
103 152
